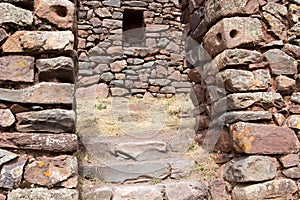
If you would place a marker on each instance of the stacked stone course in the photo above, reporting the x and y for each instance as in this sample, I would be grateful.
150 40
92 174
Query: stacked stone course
118 66
38 66
246 82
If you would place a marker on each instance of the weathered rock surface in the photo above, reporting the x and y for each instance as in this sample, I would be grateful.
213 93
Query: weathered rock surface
92 92
293 172
293 121
215 10
245 116
6 118
118 66
43 194
11 174
244 100
186 190
52 171
10 14
6 156
232 32
277 189
181 168
53 121
61 68
42 142
242 80
58 12
17 68
138 192
42 93
141 151
253 138
118 173
250 169
296 97
281 63
217 189
290 160
285 85
39 41
234 57
103 193
119 92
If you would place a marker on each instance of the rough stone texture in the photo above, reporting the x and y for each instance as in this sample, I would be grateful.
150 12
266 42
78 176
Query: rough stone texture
293 121
281 63
141 151
186 190
11 174
217 189
42 142
263 139
17 68
118 173
3 35
10 14
293 172
242 80
245 116
92 92
6 156
296 97
52 171
234 57
285 85
232 32
53 121
58 12
264 99
181 168
59 68
6 118
39 41
42 93
290 160
215 10
250 169
118 66
103 193
43 194
2 197
277 189
138 192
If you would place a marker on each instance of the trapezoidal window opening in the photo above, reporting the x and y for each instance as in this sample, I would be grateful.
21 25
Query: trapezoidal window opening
133 27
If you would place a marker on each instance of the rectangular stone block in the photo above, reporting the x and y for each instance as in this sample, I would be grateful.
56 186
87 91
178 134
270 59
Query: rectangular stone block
10 14
39 41
253 138
39 141
53 120
17 68
42 93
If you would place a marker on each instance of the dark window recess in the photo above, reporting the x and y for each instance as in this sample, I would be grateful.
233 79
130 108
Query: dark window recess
133 27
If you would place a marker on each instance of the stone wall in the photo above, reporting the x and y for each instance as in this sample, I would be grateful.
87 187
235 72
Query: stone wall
146 60
246 93
38 66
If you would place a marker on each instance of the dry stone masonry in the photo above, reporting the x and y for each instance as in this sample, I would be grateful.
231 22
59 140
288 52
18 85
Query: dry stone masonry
246 88
131 48
38 67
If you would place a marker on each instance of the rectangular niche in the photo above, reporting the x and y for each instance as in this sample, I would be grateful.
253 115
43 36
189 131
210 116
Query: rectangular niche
133 28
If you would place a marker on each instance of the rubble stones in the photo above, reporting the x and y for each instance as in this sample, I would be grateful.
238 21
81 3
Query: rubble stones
253 138
250 169
43 194
6 156
293 121
17 68
6 118
10 14
39 41
290 160
11 174
281 63
42 93
53 121
138 192
52 171
279 189
58 12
